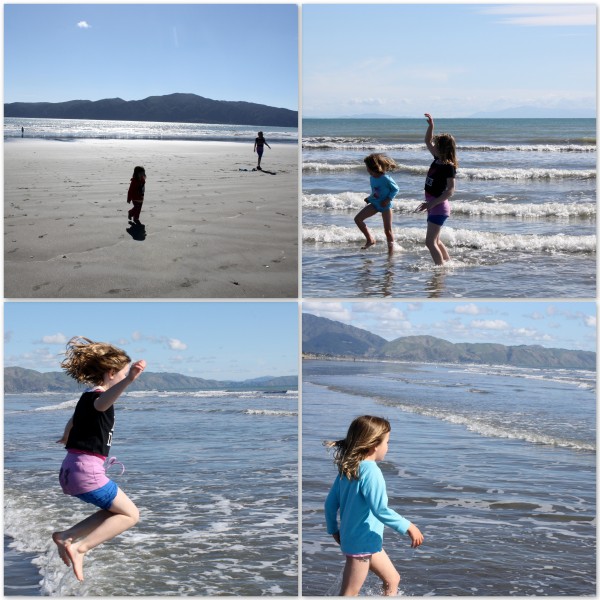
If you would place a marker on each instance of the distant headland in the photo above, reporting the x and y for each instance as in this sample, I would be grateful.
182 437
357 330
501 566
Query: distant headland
172 108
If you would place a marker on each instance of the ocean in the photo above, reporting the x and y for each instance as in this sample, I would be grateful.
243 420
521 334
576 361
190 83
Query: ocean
214 474
72 129
495 465
523 221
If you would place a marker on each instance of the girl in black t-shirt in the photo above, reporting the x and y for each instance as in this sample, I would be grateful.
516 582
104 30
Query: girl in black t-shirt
87 438
439 188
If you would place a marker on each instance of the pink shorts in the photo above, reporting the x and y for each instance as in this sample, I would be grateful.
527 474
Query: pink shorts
82 473
441 209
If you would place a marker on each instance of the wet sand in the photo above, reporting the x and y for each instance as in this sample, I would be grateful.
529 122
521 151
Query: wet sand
213 228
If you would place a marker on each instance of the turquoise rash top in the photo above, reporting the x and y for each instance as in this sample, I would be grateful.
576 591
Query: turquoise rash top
382 188
363 507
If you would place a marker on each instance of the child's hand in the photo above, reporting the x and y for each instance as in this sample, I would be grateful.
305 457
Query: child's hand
415 535
136 370
429 118
63 440
421 207
386 203
366 201
336 537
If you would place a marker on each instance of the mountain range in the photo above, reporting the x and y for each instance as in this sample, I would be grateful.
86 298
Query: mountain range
326 338
19 380
172 108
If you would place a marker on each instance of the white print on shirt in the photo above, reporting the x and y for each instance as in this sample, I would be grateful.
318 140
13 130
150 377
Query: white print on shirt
429 181
109 441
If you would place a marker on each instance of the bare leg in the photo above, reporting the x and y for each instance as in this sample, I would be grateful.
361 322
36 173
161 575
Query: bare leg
382 566
359 219
431 241
386 215
355 573
97 528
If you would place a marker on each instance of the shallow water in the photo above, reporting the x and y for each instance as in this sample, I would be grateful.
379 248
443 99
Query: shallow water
213 474
496 466
525 206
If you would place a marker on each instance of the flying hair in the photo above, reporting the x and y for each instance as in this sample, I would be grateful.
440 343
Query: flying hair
87 361
364 434
380 163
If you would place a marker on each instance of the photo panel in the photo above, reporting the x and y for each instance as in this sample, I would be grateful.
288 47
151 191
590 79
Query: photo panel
203 443
491 453
489 180
160 164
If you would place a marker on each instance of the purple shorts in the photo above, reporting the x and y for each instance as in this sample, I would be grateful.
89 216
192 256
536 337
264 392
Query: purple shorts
442 209
82 473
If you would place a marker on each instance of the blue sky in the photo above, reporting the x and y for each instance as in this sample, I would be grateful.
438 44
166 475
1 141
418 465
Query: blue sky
451 60
65 52
226 340
569 325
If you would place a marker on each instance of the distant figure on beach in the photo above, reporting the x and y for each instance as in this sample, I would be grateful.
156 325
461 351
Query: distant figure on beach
439 187
88 438
383 191
359 494
259 147
22 131
135 195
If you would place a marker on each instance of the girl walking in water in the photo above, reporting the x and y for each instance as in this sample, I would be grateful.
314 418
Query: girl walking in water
88 439
439 188
359 494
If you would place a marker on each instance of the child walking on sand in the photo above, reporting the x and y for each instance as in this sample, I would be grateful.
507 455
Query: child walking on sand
259 147
359 494
439 187
88 438
137 187
383 191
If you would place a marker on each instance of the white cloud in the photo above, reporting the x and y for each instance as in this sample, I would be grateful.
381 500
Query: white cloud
335 311
176 344
496 324
590 321
57 338
468 309
546 15
83 25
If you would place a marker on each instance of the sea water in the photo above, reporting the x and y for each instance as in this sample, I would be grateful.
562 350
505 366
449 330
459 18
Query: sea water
523 220
495 465
71 129
214 475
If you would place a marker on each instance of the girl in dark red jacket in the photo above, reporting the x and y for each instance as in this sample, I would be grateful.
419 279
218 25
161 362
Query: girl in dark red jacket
136 193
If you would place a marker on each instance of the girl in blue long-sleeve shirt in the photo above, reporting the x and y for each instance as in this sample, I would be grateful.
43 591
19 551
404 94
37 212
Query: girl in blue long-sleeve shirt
383 191
359 494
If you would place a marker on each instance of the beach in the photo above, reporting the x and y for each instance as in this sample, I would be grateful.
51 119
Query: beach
218 505
496 465
213 228
523 215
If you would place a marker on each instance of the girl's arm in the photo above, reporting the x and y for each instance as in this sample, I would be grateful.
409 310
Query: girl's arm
445 195
393 190
374 492
332 505
65 436
105 400
429 136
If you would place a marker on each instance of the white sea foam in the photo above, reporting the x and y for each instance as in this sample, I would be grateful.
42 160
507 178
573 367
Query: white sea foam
271 413
68 404
351 201
457 238
534 173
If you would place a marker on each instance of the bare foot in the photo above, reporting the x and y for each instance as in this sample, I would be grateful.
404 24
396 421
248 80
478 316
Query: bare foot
62 544
368 244
391 247
77 560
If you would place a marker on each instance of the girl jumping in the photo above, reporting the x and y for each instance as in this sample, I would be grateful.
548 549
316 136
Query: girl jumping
88 438
439 187
383 191
359 494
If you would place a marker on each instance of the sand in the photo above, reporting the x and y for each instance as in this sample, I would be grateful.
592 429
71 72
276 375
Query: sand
213 227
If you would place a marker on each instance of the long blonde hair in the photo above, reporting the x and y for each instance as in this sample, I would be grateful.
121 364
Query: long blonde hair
87 361
380 163
364 434
446 148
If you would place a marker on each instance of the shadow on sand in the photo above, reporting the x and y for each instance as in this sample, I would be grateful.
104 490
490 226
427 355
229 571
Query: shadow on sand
137 231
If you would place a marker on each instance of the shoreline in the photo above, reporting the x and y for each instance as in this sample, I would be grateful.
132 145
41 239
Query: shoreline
213 228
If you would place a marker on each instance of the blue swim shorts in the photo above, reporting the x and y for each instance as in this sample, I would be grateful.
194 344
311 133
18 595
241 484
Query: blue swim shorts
102 497
437 219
